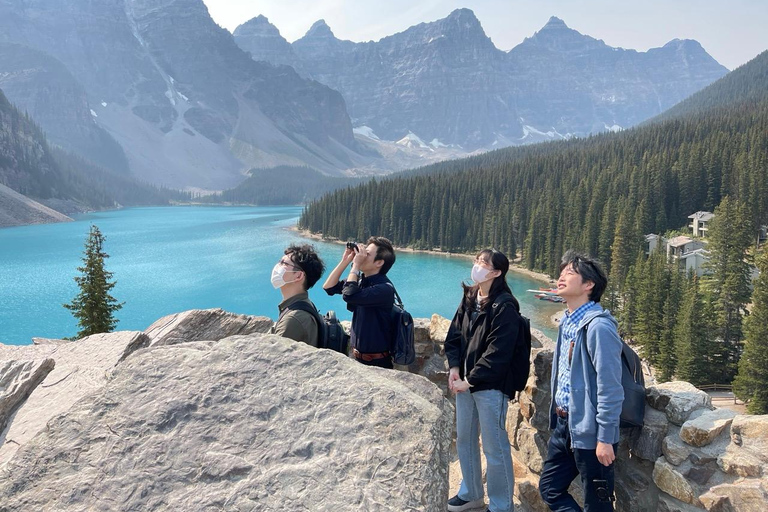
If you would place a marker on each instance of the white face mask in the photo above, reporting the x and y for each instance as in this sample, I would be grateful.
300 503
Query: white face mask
480 273
278 281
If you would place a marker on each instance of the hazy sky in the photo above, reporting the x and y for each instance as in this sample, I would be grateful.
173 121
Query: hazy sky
732 31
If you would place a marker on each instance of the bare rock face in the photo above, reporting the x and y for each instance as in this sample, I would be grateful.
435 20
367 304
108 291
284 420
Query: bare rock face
705 428
204 324
81 367
678 400
246 423
17 380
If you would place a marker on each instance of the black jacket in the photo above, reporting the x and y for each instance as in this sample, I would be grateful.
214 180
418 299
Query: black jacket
370 302
484 349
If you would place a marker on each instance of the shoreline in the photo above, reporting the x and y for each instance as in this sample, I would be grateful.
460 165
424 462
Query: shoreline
513 267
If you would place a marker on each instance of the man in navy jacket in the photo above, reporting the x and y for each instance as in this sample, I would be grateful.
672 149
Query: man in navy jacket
586 393
369 295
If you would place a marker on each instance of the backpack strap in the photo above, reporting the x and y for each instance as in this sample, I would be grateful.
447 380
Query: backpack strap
308 307
398 300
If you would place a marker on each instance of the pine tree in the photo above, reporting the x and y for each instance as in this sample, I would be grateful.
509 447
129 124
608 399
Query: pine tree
727 284
94 307
751 383
692 338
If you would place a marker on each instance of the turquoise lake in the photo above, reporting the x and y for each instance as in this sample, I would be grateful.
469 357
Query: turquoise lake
172 259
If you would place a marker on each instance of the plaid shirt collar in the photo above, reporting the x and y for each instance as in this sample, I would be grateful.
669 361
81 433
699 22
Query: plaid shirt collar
572 320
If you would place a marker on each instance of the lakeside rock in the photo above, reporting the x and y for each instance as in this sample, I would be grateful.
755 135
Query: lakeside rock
246 423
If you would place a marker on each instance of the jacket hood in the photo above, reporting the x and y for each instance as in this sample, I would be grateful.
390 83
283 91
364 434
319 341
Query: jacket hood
598 312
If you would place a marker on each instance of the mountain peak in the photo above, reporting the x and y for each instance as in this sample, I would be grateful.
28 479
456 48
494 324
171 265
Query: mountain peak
555 35
554 23
462 14
259 25
319 29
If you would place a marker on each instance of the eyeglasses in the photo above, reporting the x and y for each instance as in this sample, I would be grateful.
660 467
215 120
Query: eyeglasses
288 264
484 263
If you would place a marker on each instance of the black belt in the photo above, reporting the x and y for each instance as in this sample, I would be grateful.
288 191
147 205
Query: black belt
369 357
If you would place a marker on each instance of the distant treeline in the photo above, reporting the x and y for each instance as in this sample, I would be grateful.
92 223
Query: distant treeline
544 199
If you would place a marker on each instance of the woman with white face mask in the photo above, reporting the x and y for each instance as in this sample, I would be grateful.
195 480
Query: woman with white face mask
480 345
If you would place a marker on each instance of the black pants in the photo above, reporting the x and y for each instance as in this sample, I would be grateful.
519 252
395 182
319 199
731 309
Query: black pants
563 465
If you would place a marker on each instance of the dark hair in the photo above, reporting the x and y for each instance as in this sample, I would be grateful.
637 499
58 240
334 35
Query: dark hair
500 262
589 269
305 258
384 251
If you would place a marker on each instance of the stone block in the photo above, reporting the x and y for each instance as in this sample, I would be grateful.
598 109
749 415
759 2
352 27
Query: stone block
743 496
438 329
421 331
703 429
675 450
677 399
669 480
747 453
648 444
669 504
532 448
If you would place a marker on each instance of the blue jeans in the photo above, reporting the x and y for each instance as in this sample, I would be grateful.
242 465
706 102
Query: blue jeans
563 464
484 412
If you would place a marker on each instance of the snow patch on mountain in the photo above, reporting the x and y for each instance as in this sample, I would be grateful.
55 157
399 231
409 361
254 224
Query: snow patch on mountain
365 131
412 141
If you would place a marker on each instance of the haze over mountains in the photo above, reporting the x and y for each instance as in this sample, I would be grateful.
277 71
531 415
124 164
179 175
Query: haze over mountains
446 82
155 90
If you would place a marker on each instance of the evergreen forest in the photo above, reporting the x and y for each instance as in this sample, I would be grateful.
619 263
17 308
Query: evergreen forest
602 195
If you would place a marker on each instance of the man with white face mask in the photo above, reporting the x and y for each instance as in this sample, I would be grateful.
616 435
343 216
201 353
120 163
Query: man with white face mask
296 272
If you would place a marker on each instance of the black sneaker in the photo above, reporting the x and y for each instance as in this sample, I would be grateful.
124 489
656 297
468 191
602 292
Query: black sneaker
457 504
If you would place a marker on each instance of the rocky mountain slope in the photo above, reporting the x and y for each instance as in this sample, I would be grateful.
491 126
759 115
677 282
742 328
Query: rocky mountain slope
188 107
447 83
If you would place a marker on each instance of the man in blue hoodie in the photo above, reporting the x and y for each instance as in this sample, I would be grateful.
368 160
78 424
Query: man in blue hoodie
586 393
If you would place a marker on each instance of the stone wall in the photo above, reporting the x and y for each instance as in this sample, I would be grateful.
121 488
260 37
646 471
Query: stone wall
123 401
689 456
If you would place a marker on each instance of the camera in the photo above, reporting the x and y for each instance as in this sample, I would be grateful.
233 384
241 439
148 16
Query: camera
353 245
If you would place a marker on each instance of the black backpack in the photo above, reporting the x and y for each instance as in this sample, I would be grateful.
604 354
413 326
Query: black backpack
331 334
633 382
402 347
521 364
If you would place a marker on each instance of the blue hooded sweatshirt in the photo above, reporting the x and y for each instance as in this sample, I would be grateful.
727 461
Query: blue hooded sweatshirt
596 391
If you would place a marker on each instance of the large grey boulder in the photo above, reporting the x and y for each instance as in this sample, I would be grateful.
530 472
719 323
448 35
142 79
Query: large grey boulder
204 325
81 367
256 423
678 399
